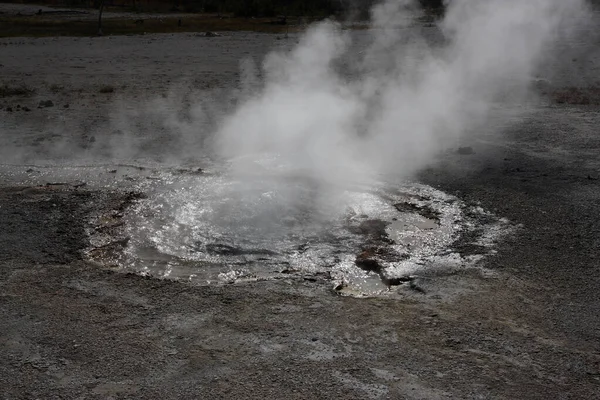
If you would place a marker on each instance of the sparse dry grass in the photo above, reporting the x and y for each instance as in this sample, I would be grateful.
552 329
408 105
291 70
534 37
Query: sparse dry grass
579 96
42 26
21 90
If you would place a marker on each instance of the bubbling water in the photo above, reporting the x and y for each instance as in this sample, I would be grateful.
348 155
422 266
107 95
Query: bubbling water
221 228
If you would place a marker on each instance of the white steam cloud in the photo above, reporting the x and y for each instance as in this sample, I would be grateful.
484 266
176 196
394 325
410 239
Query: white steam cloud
401 100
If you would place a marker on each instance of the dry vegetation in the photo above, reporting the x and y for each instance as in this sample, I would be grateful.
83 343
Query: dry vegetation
38 26
269 16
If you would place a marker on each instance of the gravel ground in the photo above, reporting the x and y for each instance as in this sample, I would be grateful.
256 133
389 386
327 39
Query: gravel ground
527 326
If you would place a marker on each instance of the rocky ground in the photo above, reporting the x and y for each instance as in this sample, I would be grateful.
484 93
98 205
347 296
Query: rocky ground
526 326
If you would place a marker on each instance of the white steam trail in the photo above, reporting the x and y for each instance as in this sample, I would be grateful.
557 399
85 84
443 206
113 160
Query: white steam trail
406 99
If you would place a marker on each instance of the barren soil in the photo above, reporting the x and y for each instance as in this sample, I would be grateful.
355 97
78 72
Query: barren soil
527 326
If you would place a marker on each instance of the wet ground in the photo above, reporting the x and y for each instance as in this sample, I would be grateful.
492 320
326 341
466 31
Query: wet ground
521 322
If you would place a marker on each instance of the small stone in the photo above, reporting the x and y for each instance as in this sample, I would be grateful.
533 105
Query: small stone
9 109
66 106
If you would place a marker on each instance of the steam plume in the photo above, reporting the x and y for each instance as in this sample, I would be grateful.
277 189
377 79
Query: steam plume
404 99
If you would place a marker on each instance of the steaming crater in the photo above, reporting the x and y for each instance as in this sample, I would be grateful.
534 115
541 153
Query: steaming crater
218 228
215 228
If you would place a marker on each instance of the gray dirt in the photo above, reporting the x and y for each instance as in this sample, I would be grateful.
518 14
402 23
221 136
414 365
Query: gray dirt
525 327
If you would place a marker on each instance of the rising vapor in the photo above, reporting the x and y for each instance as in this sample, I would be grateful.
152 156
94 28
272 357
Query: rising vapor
405 99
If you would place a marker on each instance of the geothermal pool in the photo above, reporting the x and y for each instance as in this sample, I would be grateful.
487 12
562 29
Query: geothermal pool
211 226
216 227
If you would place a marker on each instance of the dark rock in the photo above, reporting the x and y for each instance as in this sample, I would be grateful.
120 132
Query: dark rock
9 109
394 281
368 260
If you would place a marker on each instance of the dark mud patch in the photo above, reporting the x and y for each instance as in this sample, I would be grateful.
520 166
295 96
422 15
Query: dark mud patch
42 225
49 224
423 210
